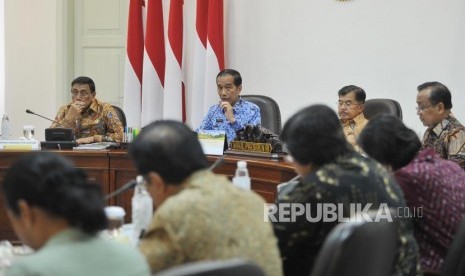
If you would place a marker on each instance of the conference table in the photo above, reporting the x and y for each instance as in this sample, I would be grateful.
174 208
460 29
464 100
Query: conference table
111 169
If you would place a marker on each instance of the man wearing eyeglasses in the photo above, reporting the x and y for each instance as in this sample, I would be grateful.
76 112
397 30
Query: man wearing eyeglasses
92 120
350 109
445 134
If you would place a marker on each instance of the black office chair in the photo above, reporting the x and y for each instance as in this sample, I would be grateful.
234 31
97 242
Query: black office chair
374 107
231 267
269 111
454 264
358 248
122 117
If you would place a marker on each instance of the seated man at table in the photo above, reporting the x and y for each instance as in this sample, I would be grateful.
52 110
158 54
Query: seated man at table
350 108
92 120
430 183
199 215
331 173
445 134
232 113
54 209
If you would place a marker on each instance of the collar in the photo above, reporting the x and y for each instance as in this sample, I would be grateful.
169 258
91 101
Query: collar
238 102
360 118
426 155
67 235
94 105
441 125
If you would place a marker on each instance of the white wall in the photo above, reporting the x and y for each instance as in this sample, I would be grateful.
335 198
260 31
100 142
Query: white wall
302 52
299 52
33 61
2 58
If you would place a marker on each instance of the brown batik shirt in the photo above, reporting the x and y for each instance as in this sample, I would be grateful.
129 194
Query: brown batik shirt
352 129
448 139
99 119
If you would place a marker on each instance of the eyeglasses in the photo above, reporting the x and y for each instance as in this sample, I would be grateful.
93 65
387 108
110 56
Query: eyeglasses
80 93
421 108
347 104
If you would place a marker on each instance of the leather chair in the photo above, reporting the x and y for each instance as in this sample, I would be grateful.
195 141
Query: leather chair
374 107
269 111
231 267
358 248
454 263
122 117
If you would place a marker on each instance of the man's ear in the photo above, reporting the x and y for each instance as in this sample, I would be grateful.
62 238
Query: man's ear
239 89
440 107
26 214
155 179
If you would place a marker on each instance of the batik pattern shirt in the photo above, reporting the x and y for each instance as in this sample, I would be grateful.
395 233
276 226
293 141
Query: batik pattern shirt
210 219
353 128
245 113
350 179
448 139
435 188
99 119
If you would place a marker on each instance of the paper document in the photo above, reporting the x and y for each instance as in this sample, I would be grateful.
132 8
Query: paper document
93 146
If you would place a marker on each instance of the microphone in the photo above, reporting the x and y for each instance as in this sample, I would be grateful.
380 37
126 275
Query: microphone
129 185
132 183
217 163
33 113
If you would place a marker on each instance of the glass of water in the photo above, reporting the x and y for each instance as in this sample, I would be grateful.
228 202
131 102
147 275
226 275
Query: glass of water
28 132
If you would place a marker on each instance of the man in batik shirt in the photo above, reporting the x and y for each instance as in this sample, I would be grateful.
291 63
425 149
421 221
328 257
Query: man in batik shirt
445 134
92 120
332 173
232 113
350 109
199 215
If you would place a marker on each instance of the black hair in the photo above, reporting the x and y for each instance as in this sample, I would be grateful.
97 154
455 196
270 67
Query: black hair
53 184
84 80
360 94
386 139
169 148
439 93
231 72
314 135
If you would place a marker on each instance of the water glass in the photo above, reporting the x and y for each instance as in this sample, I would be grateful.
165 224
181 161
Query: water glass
28 132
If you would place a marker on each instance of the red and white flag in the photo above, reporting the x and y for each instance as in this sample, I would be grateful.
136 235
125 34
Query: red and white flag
134 60
154 64
174 106
208 58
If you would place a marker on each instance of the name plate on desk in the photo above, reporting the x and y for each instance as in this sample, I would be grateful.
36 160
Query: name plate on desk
213 141
253 149
251 146
19 145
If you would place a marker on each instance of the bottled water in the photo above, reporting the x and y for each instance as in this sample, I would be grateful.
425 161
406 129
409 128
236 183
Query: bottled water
6 135
242 179
142 209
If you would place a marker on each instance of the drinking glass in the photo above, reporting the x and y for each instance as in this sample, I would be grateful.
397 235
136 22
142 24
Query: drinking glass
28 132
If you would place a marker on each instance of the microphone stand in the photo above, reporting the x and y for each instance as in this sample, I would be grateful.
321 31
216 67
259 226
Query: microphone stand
33 113
131 184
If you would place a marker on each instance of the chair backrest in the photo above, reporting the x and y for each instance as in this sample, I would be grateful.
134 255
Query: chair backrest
269 111
231 267
374 107
358 248
454 263
122 117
